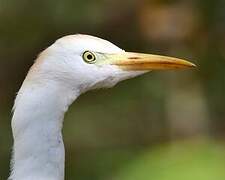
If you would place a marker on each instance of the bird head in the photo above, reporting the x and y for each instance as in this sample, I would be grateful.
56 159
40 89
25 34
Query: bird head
86 62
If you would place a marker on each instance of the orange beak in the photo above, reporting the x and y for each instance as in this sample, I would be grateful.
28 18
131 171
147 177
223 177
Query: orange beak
140 61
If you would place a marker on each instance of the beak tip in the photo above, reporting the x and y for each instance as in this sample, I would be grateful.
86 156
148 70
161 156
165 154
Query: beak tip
192 65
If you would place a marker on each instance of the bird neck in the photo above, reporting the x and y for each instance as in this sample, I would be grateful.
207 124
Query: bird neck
38 151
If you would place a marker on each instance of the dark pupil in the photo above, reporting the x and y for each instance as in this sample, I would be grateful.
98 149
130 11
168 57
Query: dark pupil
89 56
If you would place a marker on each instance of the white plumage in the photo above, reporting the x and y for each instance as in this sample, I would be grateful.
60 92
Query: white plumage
71 66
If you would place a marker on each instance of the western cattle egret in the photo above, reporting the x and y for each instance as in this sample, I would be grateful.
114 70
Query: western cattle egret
71 66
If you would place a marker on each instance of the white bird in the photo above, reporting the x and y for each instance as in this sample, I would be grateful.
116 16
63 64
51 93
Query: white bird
71 66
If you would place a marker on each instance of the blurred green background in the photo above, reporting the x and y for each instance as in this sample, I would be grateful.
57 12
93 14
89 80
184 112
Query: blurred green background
161 126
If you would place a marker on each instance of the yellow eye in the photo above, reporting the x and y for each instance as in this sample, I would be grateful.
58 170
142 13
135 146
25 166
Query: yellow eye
89 57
